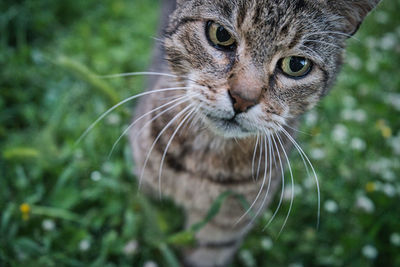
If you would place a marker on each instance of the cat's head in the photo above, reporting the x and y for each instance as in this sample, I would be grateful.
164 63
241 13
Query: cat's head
252 65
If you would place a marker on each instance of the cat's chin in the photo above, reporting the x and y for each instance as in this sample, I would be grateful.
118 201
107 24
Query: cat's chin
227 128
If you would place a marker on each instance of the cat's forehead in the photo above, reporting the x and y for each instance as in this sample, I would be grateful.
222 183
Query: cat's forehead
261 22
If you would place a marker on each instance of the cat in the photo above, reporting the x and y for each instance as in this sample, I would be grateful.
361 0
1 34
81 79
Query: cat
221 115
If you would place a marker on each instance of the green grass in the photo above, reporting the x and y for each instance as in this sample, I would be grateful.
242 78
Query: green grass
83 208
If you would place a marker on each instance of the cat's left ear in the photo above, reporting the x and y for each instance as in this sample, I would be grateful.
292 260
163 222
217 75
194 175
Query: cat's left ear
353 11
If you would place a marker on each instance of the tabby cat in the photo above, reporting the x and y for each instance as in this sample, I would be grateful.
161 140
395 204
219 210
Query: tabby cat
221 114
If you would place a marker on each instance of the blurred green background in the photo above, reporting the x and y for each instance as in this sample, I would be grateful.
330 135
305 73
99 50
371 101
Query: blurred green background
66 205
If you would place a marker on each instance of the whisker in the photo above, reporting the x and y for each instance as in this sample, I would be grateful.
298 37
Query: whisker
144 115
294 129
333 32
321 42
157 116
259 158
158 137
313 170
283 184
120 104
292 185
254 156
128 74
261 188
168 145
269 178
313 52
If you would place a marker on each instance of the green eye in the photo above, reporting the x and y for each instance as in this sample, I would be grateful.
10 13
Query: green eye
219 36
295 67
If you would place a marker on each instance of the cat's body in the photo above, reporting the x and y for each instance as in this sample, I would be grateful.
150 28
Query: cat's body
233 62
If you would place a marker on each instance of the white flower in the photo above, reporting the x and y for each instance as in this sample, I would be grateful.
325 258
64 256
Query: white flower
150 264
349 102
394 142
395 239
317 153
331 206
247 258
393 99
365 204
340 133
84 245
287 194
48 225
266 243
131 247
113 119
347 114
388 175
311 118
359 115
358 144
369 252
95 176
389 190
354 62
107 167
381 17
388 42
380 165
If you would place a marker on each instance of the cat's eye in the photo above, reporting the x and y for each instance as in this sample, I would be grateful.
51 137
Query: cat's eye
295 67
220 37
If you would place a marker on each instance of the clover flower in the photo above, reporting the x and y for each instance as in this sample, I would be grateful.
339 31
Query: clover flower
365 204
369 252
131 247
331 206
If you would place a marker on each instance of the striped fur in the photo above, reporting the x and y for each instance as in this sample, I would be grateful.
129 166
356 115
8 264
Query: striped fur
214 155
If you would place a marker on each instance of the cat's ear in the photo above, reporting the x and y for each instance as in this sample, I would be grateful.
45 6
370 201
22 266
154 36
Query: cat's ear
353 11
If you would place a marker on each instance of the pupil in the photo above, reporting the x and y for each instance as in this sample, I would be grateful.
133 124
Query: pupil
297 64
223 35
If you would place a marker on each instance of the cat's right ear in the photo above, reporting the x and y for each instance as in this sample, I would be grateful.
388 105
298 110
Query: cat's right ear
353 12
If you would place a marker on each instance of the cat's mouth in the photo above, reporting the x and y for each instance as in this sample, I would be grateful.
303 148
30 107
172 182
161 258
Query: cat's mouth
227 127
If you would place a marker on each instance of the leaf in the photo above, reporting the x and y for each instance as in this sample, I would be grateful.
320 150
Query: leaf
81 70
182 238
20 153
168 255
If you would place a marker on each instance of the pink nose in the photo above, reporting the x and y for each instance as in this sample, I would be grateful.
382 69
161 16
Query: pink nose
240 103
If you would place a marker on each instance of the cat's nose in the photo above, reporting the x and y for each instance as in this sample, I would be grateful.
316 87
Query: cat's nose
240 103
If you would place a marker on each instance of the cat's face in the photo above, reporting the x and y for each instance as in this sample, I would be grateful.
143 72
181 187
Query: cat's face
254 65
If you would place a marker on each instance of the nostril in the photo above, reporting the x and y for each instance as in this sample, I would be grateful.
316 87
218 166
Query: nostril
232 98
239 103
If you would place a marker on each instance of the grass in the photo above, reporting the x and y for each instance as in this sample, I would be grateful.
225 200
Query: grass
67 205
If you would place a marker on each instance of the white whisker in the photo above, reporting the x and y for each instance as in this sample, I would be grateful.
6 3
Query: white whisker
146 114
292 185
259 158
261 188
254 156
120 104
167 146
269 178
128 74
301 152
155 117
283 184
158 137
322 42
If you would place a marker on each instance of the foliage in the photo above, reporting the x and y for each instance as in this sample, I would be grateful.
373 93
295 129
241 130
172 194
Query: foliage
67 204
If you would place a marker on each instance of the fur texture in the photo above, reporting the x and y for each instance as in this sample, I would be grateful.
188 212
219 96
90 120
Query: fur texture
210 140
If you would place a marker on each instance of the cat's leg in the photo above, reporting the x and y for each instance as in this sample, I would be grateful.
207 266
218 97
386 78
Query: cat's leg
218 240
